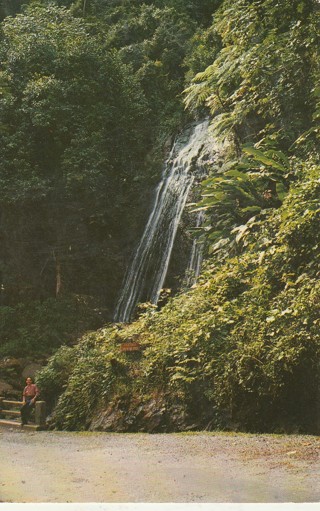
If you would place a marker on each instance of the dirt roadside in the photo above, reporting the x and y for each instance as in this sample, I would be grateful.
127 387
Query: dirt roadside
199 467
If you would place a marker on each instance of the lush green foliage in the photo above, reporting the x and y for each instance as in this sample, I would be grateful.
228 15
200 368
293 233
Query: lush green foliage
64 95
74 133
261 88
154 38
262 82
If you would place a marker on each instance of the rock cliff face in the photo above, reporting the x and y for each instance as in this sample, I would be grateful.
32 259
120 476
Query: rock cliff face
159 413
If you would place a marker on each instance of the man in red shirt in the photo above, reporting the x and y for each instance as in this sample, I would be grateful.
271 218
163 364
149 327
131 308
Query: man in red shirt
29 396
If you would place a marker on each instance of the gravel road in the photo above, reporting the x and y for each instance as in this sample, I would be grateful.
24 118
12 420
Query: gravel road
198 467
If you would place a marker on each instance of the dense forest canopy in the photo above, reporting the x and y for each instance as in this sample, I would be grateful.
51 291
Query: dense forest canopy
92 93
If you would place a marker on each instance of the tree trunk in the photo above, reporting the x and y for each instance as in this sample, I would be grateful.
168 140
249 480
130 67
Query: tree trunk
58 274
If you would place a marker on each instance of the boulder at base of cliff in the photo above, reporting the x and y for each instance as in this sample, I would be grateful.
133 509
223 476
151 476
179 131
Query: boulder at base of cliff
5 388
31 370
152 415
124 415
11 369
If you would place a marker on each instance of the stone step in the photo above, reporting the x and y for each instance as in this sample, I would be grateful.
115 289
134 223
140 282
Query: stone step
15 424
13 413
14 403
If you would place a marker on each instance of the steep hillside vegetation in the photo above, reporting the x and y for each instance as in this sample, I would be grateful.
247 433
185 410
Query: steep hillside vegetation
241 348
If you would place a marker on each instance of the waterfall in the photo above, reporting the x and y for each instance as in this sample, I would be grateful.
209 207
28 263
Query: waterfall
194 265
151 260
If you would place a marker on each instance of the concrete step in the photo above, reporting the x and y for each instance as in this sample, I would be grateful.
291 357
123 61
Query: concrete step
14 403
13 413
15 424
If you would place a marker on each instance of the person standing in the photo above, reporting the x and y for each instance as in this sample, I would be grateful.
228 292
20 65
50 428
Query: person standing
29 397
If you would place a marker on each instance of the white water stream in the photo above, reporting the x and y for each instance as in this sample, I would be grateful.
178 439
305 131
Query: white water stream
195 261
147 272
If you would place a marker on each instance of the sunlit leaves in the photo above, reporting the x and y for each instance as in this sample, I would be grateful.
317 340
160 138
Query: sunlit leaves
240 192
263 157
264 74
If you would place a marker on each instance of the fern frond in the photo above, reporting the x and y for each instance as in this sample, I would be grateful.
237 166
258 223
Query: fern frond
196 95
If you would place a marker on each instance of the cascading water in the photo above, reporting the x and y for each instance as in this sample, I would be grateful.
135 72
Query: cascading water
194 265
155 247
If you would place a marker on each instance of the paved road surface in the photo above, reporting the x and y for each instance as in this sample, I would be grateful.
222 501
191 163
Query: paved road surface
202 467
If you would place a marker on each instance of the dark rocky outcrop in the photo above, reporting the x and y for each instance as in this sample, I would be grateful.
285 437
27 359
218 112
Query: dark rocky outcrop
156 414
